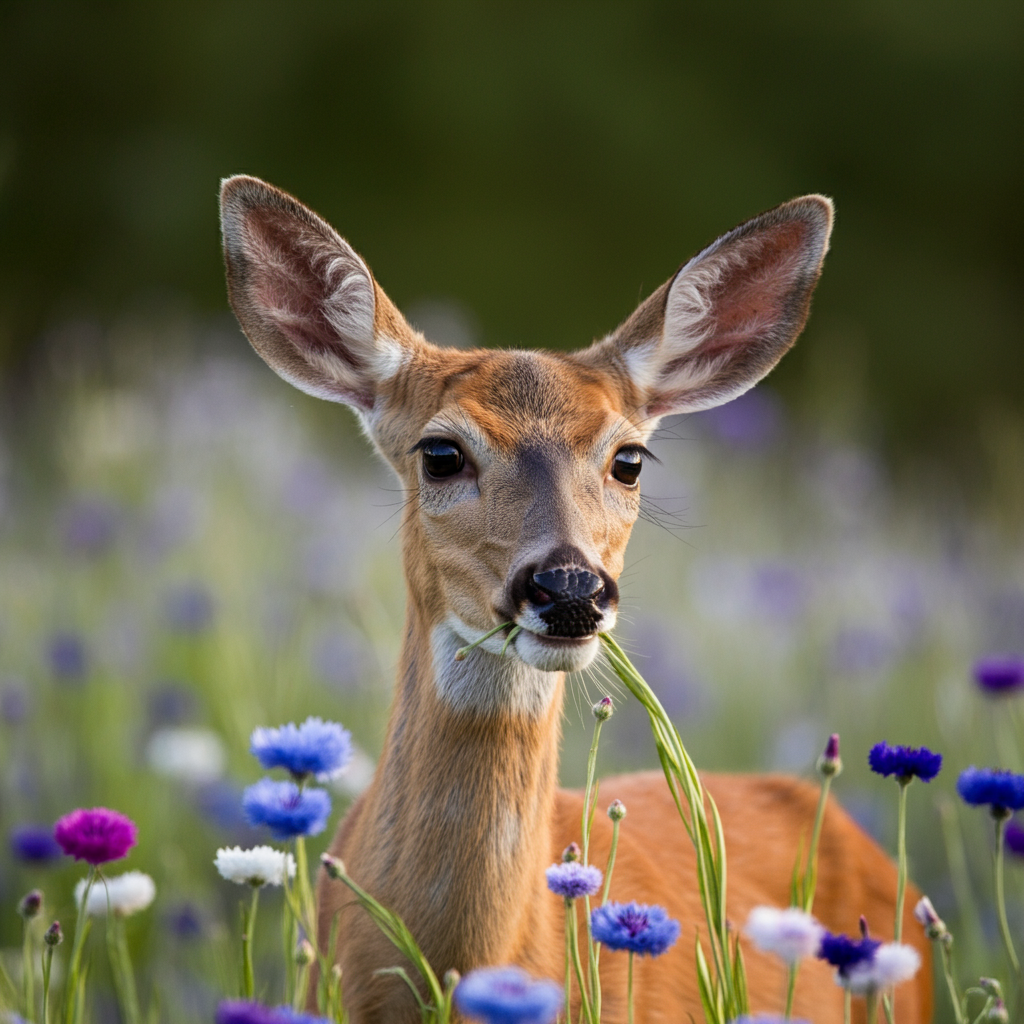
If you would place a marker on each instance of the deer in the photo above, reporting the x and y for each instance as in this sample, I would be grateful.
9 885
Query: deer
522 472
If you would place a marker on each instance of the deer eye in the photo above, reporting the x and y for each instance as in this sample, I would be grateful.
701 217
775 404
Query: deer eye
627 465
441 459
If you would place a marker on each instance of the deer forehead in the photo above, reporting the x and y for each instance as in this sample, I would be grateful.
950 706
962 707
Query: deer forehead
504 405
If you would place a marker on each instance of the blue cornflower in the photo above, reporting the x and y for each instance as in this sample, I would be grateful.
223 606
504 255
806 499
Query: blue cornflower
904 762
635 927
844 953
1002 790
572 879
285 809
508 995
315 748
34 843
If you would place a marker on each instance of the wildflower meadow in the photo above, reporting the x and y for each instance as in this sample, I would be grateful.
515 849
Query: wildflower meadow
200 612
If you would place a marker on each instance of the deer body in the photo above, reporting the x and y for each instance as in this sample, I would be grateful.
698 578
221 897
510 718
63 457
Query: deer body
523 467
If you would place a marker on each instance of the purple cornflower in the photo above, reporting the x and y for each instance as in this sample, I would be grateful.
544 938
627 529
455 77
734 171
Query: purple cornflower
635 927
571 879
95 835
315 748
66 656
844 953
508 995
1013 838
1002 790
285 809
904 762
34 843
1000 674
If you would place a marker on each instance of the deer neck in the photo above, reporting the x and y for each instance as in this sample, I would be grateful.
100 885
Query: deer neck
458 819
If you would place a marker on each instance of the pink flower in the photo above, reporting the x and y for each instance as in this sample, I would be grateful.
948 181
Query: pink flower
95 835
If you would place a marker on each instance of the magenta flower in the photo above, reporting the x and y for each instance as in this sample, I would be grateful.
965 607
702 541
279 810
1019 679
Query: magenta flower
95 835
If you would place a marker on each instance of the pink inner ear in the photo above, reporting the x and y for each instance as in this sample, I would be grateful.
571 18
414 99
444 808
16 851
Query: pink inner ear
750 297
287 281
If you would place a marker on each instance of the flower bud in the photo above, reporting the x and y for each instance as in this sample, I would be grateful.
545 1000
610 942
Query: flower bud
991 987
571 853
997 1013
305 954
334 866
54 936
616 810
863 925
830 763
603 709
336 974
934 926
30 905
451 979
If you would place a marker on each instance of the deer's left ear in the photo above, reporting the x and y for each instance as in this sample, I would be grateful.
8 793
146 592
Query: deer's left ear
727 317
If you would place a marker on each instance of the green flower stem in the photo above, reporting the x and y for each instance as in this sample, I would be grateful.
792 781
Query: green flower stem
954 992
629 988
847 1006
872 1001
568 967
611 862
589 805
290 938
574 949
71 988
810 879
124 976
901 856
461 653
790 990
47 964
729 999
248 933
27 970
1004 927
307 903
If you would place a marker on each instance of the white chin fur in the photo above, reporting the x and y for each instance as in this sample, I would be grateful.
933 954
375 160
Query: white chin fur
549 657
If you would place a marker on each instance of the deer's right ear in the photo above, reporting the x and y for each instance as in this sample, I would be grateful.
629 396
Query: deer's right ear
305 299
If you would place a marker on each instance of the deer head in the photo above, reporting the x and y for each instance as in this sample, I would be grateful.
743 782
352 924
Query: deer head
524 465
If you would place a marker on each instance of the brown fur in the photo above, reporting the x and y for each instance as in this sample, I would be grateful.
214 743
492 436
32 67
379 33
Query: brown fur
464 813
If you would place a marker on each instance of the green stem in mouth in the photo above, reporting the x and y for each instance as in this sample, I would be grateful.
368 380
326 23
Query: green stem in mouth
511 636
461 653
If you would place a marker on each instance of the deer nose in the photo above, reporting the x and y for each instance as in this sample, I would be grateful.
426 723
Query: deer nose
566 584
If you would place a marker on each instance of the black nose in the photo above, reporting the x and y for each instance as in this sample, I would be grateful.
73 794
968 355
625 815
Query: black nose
567 584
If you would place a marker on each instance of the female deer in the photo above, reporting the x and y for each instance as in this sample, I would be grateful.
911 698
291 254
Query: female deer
525 467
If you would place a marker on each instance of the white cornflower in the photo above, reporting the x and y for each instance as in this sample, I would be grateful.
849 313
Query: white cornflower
128 893
790 934
262 865
892 964
194 756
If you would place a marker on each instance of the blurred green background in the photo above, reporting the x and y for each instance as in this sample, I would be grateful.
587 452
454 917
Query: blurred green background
541 165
